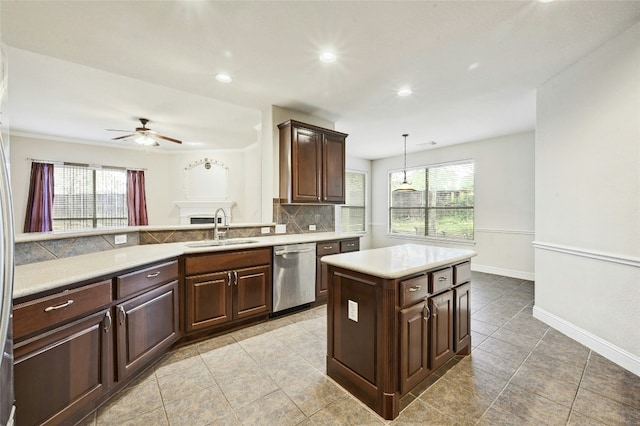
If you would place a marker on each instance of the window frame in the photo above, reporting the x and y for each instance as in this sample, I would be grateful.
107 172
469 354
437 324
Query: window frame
338 214
427 209
95 218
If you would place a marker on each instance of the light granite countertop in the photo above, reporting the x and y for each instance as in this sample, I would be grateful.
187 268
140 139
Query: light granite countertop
398 261
44 276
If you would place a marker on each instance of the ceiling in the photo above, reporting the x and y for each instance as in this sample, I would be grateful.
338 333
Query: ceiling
77 68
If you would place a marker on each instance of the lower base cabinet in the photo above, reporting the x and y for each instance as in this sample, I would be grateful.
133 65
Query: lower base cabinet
442 310
147 326
63 371
414 343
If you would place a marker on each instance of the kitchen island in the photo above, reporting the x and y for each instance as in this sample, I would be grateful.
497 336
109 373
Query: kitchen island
394 315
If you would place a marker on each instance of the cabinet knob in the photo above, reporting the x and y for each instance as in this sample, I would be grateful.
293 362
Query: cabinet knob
107 321
427 312
122 315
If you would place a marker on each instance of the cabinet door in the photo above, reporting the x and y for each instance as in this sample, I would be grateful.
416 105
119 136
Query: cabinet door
323 249
333 164
146 326
208 300
252 291
306 158
462 320
441 329
414 345
62 372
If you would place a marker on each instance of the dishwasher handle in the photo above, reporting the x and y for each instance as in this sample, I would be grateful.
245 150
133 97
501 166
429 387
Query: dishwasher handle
283 252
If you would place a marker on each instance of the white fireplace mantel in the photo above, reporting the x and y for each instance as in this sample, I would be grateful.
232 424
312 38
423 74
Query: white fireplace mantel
202 208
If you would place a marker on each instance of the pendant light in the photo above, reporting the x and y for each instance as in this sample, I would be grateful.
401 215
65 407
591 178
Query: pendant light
405 186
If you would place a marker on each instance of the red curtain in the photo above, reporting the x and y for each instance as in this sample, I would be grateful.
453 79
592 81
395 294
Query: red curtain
39 215
136 198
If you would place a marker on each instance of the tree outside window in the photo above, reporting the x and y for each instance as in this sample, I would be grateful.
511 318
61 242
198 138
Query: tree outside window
441 205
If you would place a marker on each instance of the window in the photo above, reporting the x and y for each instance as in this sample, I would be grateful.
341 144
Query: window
352 213
441 205
89 197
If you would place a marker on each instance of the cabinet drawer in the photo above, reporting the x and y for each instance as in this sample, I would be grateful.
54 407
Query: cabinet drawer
203 264
349 245
40 314
440 280
137 281
413 290
462 273
327 247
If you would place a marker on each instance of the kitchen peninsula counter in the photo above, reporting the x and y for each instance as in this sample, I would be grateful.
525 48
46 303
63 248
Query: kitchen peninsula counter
44 276
394 315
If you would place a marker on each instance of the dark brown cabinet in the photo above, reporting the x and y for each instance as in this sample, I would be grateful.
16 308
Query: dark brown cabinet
76 347
312 164
73 331
386 335
441 344
147 326
224 287
414 345
326 248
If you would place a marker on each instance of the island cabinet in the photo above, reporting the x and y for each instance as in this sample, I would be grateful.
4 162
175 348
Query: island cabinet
395 315
326 248
78 345
312 164
223 289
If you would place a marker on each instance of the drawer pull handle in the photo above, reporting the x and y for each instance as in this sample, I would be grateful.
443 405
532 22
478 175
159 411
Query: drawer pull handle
415 288
434 309
60 306
122 314
327 247
107 322
442 278
235 277
155 274
229 279
427 312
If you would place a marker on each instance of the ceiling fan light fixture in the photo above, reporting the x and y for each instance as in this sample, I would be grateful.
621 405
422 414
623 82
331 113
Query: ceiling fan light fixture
405 91
328 57
145 140
223 78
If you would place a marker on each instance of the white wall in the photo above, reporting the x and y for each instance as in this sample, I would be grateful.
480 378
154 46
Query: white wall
164 175
504 201
588 200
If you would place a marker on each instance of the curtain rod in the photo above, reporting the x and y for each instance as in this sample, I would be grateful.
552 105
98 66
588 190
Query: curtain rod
101 166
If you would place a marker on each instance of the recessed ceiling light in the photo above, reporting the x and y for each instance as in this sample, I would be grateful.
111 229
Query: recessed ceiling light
473 66
224 78
405 91
328 57
545 1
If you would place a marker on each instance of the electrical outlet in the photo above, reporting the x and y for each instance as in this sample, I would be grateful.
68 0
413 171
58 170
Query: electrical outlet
281 229
265 230
121 239
312 227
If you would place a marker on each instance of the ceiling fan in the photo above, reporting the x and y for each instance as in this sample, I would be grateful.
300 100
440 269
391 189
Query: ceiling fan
144 135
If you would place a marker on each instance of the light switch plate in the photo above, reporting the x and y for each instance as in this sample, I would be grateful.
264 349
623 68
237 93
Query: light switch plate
121 239
265 230
353 310
312 227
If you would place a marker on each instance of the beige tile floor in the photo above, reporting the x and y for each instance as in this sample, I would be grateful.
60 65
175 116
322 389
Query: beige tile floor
519 372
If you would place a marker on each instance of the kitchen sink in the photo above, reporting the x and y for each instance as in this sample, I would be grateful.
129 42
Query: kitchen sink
216 243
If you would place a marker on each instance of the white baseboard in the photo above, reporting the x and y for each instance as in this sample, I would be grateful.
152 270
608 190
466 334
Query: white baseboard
502 271
608 350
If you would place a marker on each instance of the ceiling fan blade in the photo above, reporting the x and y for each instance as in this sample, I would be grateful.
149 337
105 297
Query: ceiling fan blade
123 137
167 138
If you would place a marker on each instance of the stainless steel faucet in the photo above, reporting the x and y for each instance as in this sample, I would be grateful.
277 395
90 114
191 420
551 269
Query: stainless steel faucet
216 233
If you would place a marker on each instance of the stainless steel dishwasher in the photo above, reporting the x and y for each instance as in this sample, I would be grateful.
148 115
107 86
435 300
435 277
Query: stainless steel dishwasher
294 275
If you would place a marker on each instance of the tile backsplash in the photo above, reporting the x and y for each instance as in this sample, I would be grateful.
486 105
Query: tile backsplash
297 218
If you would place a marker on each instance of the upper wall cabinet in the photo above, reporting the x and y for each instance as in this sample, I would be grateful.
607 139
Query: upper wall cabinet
311 164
